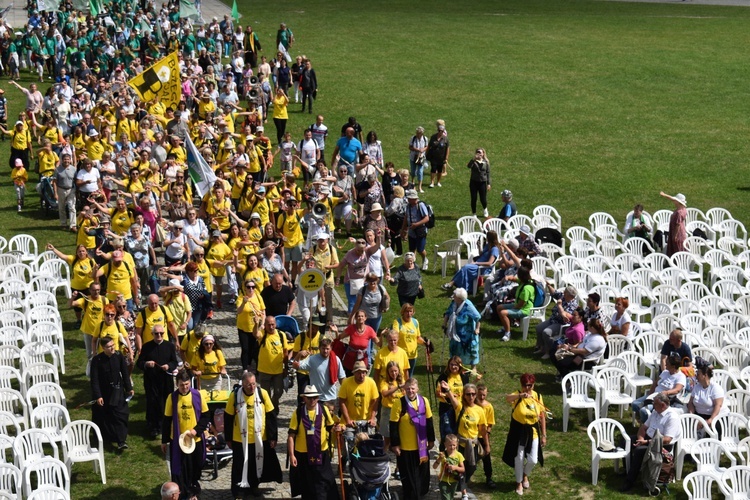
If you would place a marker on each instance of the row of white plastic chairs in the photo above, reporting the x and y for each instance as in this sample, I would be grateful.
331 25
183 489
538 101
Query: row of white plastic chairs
36 457
51 275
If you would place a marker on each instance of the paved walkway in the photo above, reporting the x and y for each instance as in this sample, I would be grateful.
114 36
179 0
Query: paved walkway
223 326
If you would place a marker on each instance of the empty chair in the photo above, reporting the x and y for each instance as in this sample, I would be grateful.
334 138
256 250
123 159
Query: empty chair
549 215
596 265
729 291
611 248
699 485
58 269
468 224
707 454
644 277
48 314
518 221
734 230
448 251
636 370
665 293
743 452
82 442
731 425
638 246
606 430
681 307
579 391
738 401
48 472
12 401
712 306
43 257
580 279
582 249
51 417
13 336
715 216
50 334
618 344
38 352
725 380
614 389
701 230
10 480
649 344
693 322
474 243
673 276
10 356
733 322
598 218
735 482
9 302
657 262
13 318
742 337
20 272
695 214
608 232
614 278
657 308
694 291
693 427
551 250
661 220
43 393
40 298
688 263
28 447
11 378
495 224
734 358
742 305
543 266
706 353
25 246
730 245
40 372
579 233
729 273
627 263
640 301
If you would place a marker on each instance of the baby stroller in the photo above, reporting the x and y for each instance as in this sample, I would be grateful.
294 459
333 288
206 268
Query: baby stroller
47 194
288 325
369 469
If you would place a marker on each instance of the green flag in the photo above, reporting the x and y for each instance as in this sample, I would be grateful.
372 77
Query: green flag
188 9
94 7
235 11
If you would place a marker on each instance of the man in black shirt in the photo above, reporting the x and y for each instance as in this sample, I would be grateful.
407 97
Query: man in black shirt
279 298
676 345
158 360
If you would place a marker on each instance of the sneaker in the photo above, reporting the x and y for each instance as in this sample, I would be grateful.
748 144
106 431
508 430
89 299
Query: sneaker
425 264
122 446
397 475
464 497
446 286
421 190
432 186
546 356
440 185
486 213
506 337
491 485
558 378
19 208
210 315
519 491
539 351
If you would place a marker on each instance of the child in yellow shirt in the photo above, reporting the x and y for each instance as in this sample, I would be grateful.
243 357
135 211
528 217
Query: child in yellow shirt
452 462
20 177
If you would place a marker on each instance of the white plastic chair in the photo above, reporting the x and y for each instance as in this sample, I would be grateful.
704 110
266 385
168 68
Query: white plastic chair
28 447
596 265
734 357
82 442
468 224
58 269
681 307
40 298
657 262
19 271
43 393
10 481
580 279
640 301
25 245
598 218
49 472
518 221
636 370
687 262
738 401
715 216
618 344
674 277
535 313
564 266
47 314
604 430
543 266
707 454
607 294
38 352
694 290
13 402
577 388
50 333
474 243
730 245
49 493
579 233
725 379
10 356
743 451
697 246
495 224
613 278
712 306
52 418
40 372
735 482
734 230
13 318
693 427
614 389
611 248
638 246
448 251
628 262
730 273
665 293
733 322
582 249
552 251
729 291
644 277
546 216
699 485
11 378
742 305
661 220
705 228
649 345
731 425
607 232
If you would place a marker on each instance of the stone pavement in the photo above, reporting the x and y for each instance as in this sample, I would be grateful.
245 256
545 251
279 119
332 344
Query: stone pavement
223 327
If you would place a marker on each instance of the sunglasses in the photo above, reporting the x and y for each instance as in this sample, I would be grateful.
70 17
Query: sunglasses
361 242
527 385
158 333
470 394
110 315
208 343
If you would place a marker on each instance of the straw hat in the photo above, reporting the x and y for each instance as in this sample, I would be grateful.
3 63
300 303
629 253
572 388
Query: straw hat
187 443
310 392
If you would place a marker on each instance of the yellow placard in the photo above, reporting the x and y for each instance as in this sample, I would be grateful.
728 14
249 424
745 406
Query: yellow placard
161 81
311 280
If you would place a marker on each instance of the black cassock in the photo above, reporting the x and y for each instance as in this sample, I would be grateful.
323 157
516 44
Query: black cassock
157 383
110 381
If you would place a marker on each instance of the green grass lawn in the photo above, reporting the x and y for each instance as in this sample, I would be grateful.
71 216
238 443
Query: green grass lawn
586 106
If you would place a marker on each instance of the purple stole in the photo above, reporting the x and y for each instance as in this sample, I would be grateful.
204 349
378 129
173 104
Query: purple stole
314 454
174 449
419 419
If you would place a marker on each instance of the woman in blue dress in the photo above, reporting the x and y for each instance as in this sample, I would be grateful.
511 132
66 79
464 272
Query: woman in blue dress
461 325
465 276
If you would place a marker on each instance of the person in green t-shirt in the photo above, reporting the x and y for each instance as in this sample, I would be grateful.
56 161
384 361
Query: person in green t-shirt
521 307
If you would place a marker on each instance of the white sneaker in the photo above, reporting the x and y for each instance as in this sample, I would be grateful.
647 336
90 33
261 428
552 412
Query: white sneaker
421 190
506 337
425 264
440 185
486 213
432 186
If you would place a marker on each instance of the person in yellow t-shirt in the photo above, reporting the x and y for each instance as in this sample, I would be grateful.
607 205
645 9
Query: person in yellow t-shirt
251 312
309 429
489 415
205 106
185 412
289 230
528 422
20 144
110 327
218 255
190 344
86 222
391 388
94 145
121 280
358 397
217 208
90 312
412 442
153 314
391 352
472 427
246 396
251 270
280 115
409 336
20 177
48 159
210 362
273 356
451 464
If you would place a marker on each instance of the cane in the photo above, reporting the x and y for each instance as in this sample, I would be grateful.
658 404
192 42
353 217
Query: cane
341 469
430 377
87 403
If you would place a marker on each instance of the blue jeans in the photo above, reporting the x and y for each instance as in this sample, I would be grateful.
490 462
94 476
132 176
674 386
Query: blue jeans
412 365
642 408
351 299
417 171
374 323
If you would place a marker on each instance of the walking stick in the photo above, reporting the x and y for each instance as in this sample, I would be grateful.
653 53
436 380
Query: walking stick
430 378
341 469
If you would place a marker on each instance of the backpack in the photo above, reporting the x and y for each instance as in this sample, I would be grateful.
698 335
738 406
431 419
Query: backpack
385 301
143 314
431 222
538 294
103 284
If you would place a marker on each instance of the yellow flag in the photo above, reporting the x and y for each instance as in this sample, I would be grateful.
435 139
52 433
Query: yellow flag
161 81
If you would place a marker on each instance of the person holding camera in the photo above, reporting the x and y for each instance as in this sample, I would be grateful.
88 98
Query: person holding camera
479 183
417 150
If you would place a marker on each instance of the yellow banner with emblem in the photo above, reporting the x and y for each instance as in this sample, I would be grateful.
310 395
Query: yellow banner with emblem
160 81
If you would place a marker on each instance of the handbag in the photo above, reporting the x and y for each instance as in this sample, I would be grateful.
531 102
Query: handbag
161 233
420 293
